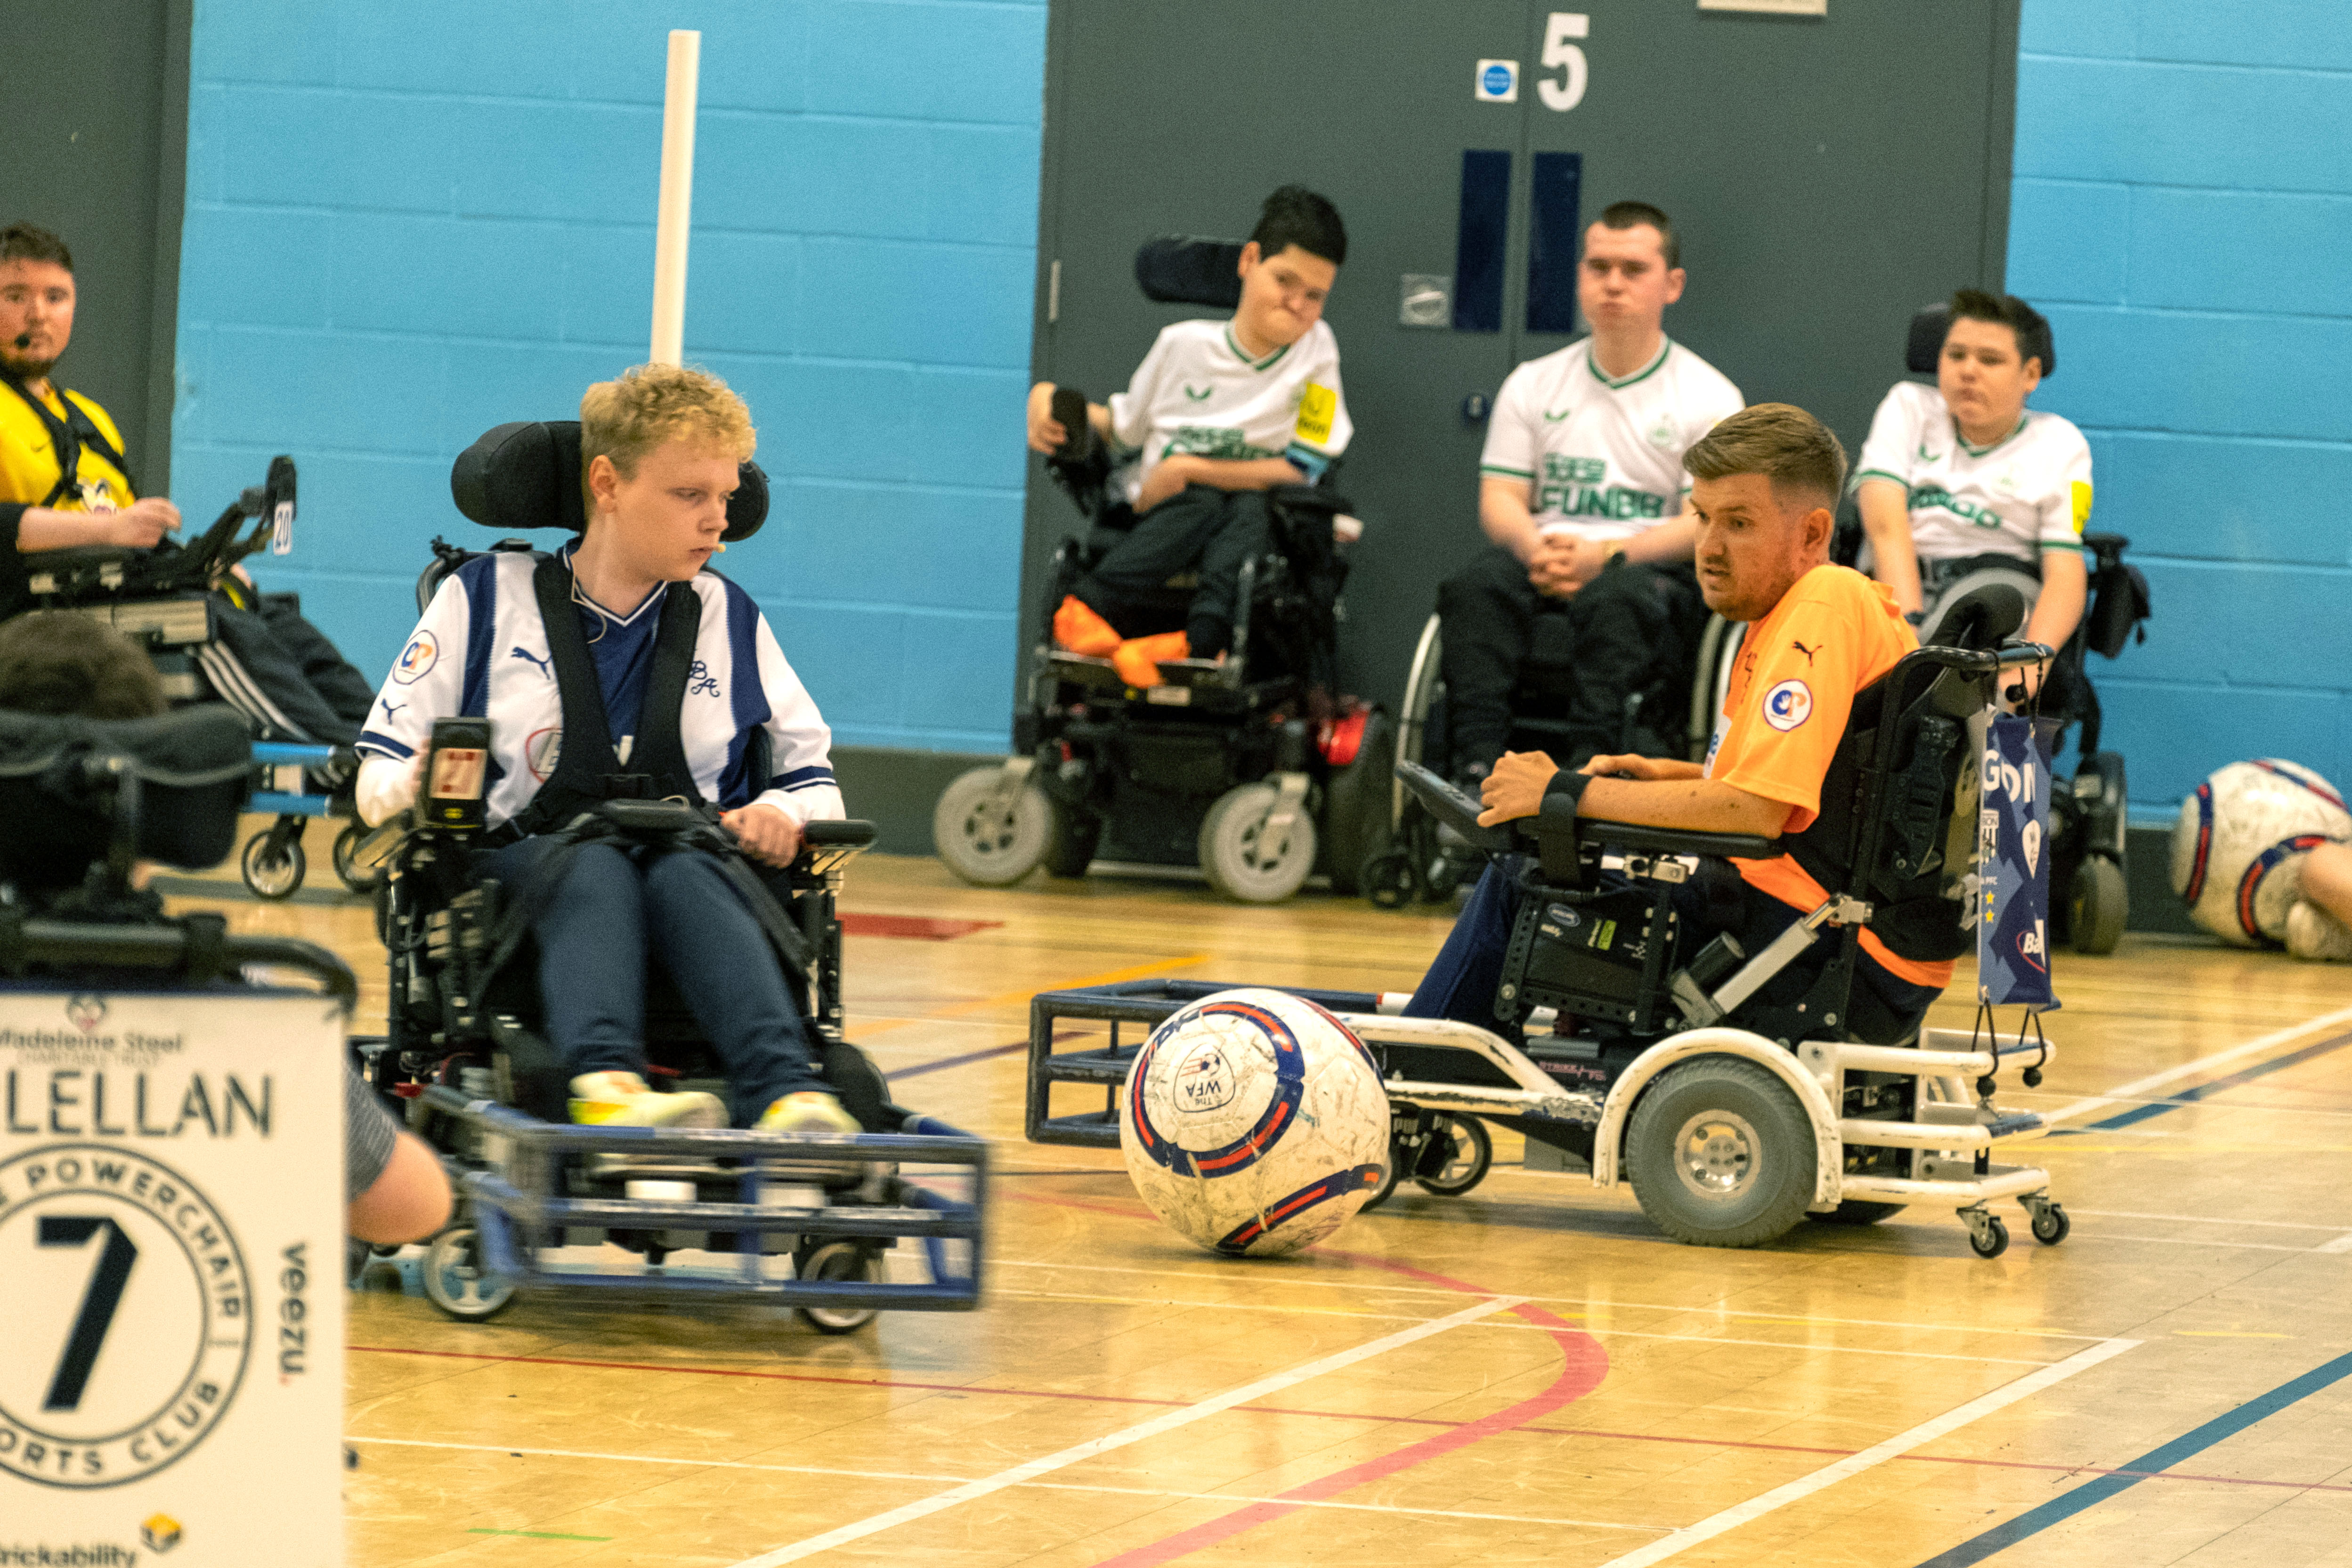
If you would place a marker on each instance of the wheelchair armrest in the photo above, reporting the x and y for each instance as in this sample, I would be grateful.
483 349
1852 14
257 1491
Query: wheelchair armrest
78 555
1677 840
834 834
1455 808
1308 497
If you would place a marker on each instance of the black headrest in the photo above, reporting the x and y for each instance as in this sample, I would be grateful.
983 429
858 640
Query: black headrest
527 474
1982 611
195 768
1184 270
1926 345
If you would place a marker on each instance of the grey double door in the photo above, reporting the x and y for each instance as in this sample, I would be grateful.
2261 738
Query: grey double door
1828 176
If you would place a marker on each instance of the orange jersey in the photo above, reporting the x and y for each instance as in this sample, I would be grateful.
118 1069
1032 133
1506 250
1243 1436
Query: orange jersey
1785 711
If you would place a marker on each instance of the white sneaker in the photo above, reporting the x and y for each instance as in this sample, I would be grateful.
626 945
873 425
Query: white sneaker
811 1110
625 1100
2313 933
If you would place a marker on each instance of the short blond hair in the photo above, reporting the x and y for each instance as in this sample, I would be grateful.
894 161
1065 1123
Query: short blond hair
1779 440
646 404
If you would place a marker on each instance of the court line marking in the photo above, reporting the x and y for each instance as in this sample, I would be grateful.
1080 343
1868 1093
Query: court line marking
2140 1086
2195 1094
1523 1328
1779 1497
1029 1470
1037 1486
2031 1523
1712 1310
2209 1219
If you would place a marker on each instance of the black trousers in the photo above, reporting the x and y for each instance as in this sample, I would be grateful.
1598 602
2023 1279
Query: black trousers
1579 659
281 670
1211 531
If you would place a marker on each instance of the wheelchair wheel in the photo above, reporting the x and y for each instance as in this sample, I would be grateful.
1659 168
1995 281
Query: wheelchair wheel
272 876
834 1261
1721 1154
1387 879
1246 860
358 877
1070 845
2097 906
988 835
1469 1153
1389 1180
457 1281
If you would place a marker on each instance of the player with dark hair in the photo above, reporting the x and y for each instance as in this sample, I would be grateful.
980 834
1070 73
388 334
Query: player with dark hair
1764 483
1962 471
1218 413
1581 493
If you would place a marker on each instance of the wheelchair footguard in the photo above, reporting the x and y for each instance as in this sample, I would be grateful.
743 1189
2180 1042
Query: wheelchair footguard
800 1220
1727 1139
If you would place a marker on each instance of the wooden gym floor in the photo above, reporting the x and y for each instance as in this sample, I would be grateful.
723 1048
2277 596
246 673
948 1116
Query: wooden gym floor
1528 1374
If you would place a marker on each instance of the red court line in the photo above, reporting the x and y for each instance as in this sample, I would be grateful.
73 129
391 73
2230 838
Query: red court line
919 927
1584 1365
690 1371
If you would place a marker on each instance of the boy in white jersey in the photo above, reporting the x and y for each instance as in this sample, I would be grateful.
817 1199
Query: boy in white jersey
660 449
1583 463
1963 469
1217 413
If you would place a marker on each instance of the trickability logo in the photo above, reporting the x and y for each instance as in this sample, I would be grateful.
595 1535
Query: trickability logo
105 1554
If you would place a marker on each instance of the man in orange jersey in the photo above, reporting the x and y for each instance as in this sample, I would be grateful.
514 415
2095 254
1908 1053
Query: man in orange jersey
1764 482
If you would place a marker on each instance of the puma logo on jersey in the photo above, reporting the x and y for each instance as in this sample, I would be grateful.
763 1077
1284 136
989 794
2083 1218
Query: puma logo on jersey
533 658
1200 397
390 709
1808 652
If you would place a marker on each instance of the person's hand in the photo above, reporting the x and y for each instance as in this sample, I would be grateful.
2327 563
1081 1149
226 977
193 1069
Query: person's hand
1628 765
386 787
1168 478
765 833
1516 788
1562 564
143 524
1046 432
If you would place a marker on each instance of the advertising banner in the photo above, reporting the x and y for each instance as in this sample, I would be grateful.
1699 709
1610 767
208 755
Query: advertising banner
2013 871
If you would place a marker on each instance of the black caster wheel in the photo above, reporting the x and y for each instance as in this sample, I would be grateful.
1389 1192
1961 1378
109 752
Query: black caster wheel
1387 879
1398 1159
1468 1152
358 877
1989 1237
272 876
2051 1226
843 1261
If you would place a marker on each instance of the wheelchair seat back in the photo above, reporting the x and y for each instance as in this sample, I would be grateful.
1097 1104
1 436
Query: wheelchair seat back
69 786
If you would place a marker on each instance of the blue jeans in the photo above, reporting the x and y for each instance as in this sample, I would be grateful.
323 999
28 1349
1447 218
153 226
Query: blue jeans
1462 980
593 932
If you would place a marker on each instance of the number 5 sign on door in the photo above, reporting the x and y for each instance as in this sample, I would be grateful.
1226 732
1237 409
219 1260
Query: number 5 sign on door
1561 52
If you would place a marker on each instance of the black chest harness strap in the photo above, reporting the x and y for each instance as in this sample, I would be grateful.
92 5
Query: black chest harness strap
68 436
586 771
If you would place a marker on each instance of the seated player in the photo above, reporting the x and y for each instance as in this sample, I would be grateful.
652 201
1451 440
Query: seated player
64 482
56 662
1217 413
1963 470
1765 480
1583 466
660 447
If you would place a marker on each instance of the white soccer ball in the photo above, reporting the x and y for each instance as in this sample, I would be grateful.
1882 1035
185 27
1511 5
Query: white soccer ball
1254 1121
2238 848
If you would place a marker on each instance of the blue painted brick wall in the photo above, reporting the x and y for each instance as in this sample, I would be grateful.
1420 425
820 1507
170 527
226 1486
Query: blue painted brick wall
409 222
2183 211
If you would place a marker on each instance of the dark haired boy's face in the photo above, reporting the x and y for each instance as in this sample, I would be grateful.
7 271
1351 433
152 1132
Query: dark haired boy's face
1624 281
1983 380
35 298
1282 294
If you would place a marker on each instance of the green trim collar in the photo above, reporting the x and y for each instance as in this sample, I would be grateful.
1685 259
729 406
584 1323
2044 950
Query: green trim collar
1261 364
1997 445
1665 347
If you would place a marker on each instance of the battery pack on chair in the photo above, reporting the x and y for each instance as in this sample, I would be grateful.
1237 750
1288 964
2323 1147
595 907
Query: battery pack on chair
456 768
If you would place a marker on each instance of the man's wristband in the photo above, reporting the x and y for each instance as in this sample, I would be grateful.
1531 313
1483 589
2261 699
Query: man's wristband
1566 785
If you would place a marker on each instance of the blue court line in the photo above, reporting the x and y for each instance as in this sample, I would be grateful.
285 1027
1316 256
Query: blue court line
2034 1521
2192 1096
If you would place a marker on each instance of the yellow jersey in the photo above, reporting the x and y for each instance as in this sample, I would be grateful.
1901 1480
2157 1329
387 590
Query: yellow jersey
30 463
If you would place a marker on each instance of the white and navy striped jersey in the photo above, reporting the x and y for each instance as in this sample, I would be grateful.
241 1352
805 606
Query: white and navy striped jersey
481 652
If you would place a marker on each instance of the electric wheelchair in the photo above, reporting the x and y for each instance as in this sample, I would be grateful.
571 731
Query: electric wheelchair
1736 1094
164 600
801 1218
1251 768
2089 810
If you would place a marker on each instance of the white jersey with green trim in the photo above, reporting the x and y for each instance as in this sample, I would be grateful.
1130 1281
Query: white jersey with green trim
1197 392
1604 457
2027 492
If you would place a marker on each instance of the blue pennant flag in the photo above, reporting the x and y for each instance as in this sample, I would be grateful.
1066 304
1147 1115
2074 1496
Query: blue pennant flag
2013 871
